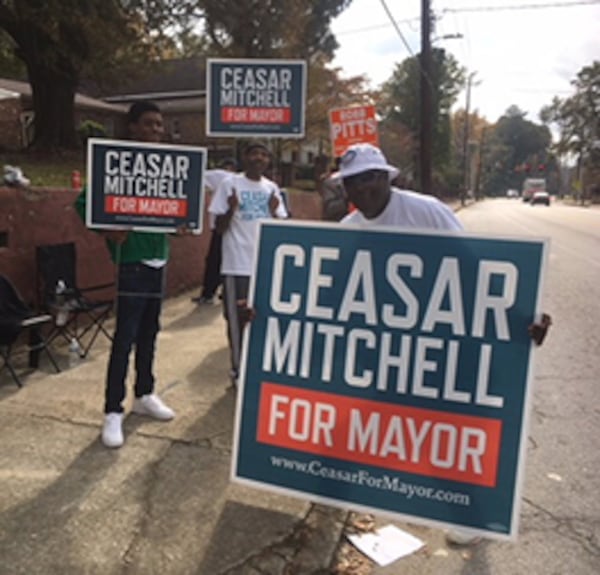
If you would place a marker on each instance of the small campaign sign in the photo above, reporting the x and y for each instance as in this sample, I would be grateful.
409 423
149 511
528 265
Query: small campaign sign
390 371
144 186
352 125
249 98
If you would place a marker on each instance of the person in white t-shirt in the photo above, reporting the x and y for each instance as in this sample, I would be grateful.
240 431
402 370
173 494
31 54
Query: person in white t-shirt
240 201
212 263
366 177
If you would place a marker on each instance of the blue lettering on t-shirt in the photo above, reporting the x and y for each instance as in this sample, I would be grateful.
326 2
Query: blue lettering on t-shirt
253 205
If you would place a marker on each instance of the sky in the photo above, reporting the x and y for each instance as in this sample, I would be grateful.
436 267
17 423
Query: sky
521 57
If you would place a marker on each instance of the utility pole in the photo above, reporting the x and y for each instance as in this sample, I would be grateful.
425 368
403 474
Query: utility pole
466 170
426 99
477 192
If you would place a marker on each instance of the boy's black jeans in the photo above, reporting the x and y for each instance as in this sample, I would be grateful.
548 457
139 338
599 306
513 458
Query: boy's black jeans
139 301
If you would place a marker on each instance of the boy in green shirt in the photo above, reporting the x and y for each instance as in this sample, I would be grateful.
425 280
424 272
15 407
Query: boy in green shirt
141 258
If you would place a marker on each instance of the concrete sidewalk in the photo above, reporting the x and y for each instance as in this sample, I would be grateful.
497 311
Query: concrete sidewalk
163 503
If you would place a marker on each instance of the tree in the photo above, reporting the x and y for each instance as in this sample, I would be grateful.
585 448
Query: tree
517 149
62 41
477 131
327 90
282 28
9 64
401 102
577 120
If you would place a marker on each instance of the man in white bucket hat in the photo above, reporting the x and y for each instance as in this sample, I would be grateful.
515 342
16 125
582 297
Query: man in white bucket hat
367 177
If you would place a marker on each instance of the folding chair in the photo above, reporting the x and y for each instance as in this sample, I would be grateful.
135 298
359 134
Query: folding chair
68 304
16 318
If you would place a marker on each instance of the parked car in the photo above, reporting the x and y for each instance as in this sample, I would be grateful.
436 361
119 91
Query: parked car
540 198
512 194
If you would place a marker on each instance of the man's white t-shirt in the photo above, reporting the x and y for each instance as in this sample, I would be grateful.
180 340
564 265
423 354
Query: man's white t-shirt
240 238
410 209
212 179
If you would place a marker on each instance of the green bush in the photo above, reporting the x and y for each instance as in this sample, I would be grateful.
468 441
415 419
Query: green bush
90 129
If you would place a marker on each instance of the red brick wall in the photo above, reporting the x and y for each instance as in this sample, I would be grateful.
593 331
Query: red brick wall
29 218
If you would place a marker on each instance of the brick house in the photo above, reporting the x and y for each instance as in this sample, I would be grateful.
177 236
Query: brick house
16 114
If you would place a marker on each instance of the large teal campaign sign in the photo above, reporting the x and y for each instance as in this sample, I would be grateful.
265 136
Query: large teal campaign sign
390 371
255 98
152 187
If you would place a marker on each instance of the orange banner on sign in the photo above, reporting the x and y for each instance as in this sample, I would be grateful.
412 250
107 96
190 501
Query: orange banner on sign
352 126
145 206
426 442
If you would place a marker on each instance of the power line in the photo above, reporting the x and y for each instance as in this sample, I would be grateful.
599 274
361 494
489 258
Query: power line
468 9
521 6
377 26
406 44
396 27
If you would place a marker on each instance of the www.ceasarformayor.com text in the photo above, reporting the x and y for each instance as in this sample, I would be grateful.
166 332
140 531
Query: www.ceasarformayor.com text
363 477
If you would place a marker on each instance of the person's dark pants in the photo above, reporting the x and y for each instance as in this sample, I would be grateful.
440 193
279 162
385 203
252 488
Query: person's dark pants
235 295
139 301
212 267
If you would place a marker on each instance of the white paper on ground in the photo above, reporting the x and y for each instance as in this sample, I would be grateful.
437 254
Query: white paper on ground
386 545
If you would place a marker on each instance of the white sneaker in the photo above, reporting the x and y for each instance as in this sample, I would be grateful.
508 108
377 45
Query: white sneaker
112 431
456 537
153 406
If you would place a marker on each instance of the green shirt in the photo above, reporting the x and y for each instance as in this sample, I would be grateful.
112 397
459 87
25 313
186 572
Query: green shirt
138 246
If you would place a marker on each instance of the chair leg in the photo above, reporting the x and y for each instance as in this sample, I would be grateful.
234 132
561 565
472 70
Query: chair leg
34 348
62 331
97 322
39 343
6 358
51 358
14 375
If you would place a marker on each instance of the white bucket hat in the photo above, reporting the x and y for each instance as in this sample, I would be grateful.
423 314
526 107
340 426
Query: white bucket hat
360 158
